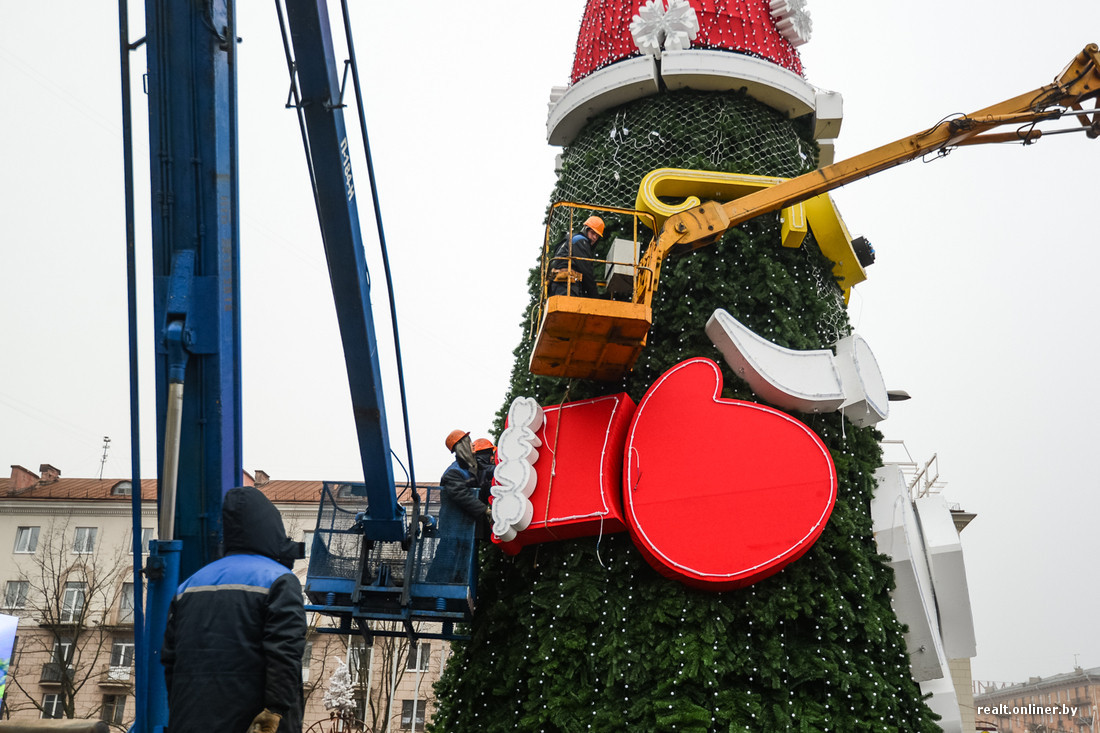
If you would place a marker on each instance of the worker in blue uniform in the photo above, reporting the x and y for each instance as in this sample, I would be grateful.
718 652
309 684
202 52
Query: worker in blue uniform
463 516
460 499
236 630
572 271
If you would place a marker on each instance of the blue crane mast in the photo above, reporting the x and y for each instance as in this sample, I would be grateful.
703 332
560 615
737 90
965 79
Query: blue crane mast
371 562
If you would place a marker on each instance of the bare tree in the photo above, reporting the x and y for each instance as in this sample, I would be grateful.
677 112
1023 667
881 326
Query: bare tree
317 664
392 661
79 602
377 671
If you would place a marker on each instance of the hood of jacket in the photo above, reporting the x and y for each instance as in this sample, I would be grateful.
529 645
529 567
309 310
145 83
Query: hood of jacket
252 525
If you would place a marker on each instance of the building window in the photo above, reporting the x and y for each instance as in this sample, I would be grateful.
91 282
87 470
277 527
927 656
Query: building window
122 488
122 659
359 661
15 595
84 540
407 714
146 536
72 603
63 652
126 604
419 656
26 539
307 538
114 709
51 706
60 664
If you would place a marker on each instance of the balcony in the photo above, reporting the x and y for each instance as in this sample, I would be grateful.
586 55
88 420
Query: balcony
112 676
52 673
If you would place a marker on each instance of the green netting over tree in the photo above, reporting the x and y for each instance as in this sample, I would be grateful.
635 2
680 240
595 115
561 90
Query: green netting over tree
583 635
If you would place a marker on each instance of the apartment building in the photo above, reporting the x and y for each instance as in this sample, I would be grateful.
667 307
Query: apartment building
66 570
1064 702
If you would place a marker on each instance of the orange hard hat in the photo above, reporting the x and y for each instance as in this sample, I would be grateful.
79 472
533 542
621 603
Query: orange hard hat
594 223
483 444
454 436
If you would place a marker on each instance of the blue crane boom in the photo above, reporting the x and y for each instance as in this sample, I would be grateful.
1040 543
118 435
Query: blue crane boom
334 187
191 52
196 313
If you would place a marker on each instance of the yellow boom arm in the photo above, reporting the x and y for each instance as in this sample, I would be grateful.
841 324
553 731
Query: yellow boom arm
592 338
703 224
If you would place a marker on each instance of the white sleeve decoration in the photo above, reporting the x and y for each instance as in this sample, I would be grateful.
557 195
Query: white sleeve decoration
813 380
792 20
866 399
804 380
655 26
515 476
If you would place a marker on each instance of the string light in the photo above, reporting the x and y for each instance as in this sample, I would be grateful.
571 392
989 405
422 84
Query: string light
851 674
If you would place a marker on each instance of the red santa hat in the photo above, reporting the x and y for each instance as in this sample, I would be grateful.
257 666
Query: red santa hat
629 49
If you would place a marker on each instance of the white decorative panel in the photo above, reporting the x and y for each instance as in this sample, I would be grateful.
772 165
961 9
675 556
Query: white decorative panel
945 560
897 534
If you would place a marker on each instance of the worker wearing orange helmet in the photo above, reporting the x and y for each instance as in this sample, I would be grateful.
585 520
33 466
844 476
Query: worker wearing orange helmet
572 271
485 455
460 484
463 516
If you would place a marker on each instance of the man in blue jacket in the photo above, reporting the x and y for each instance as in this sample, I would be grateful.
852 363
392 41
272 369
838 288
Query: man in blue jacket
463 515
572 271
460 484
236 630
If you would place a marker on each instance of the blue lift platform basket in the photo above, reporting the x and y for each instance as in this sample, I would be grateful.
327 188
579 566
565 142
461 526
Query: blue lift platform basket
430 577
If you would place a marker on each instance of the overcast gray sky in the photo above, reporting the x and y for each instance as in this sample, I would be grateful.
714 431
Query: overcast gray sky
981 304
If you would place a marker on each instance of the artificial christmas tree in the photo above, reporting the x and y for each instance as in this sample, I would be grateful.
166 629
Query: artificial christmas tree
587 633
340 692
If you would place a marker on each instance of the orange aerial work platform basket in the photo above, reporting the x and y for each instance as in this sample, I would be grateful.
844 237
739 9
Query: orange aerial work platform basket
594 338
